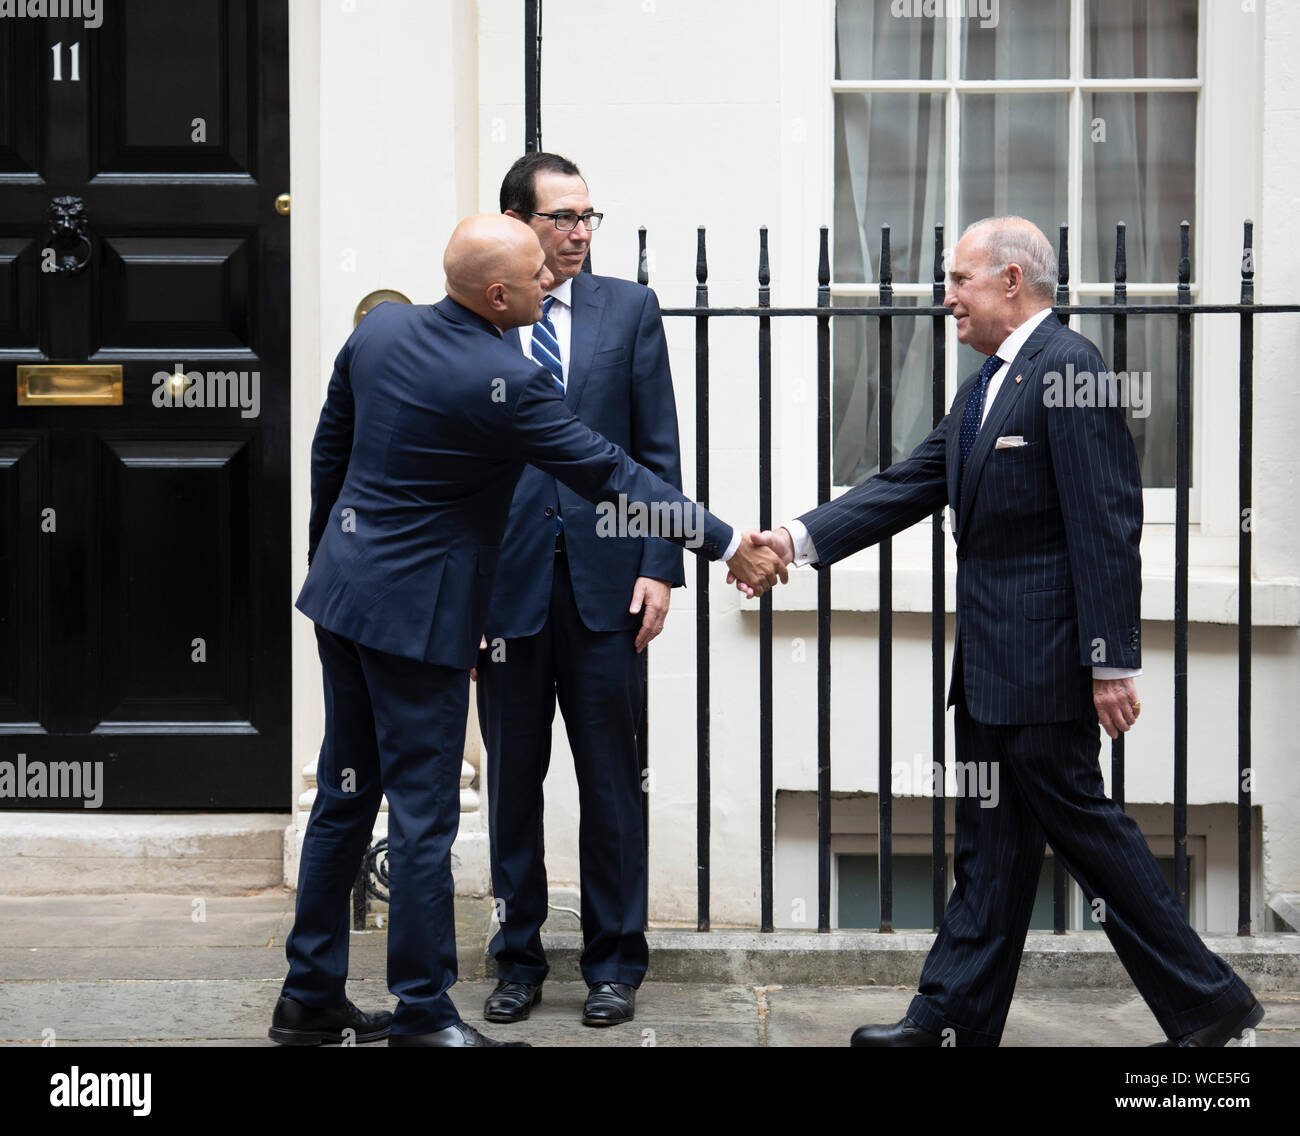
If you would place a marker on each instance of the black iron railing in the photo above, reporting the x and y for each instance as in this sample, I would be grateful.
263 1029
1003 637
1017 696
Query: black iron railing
1183 310
1119 310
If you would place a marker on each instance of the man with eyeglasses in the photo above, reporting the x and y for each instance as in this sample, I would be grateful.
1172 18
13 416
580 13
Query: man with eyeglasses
573 608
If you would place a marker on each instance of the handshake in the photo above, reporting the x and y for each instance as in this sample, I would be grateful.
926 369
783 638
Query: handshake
760 561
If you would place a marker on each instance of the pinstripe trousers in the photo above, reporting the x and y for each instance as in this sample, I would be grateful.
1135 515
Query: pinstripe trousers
1050 789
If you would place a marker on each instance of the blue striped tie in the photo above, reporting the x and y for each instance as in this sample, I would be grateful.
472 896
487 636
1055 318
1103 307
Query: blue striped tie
546 351
546 344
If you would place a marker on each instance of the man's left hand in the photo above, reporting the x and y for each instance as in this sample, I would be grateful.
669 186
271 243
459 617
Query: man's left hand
1117 704
654 596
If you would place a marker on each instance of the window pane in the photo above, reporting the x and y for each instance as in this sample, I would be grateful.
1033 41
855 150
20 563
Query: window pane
1166 869
1142 39
1139 167
872 43
1030 39
1151 386
855 388
859 891
1013 158
889 169
1042 916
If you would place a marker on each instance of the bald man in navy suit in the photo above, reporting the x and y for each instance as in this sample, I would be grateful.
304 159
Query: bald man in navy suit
1047 501
429 421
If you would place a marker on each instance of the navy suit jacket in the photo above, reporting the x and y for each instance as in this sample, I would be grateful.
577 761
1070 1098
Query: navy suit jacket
1048 534
620 385
429 421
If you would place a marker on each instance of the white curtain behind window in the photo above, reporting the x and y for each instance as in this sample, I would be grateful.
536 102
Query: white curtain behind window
889 169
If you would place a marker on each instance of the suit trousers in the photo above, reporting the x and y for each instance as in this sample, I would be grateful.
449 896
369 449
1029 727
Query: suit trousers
1050 789
598 679
393 727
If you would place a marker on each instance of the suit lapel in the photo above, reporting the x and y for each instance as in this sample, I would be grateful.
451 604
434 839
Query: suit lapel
1008 394
952 463
584 333
512 337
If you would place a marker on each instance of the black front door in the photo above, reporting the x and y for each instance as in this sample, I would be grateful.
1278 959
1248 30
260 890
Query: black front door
144 567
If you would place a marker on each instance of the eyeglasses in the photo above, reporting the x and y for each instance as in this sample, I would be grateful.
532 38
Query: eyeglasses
567 222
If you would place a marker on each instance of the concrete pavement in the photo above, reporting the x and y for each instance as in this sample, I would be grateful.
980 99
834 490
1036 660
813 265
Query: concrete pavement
181 970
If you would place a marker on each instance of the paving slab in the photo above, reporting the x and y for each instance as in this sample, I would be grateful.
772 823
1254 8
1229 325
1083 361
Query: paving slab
1038 1018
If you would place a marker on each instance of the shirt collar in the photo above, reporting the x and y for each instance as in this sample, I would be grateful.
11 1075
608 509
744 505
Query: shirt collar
1016 340
563 292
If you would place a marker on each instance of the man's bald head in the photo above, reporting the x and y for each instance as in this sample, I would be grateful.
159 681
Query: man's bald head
495 267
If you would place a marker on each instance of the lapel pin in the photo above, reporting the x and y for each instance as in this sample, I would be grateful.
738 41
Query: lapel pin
1019 377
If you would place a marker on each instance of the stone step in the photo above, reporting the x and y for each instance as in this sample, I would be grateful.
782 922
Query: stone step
469 796
467 774
89 853
1080 959
469 800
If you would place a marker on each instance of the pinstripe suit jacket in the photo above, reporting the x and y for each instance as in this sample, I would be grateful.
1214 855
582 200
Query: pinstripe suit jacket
1048 563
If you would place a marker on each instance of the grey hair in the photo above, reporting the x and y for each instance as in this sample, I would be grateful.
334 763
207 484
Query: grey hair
1013 240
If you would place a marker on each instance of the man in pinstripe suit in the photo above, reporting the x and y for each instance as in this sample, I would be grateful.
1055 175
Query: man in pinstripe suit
1047 515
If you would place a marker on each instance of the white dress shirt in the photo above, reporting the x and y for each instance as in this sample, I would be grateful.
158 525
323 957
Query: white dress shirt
561 315
806 553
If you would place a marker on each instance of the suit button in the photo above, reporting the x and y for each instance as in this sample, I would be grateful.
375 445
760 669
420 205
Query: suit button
961 555
549 512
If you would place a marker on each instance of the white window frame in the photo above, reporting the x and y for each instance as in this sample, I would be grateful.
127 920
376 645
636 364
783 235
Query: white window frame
1229 53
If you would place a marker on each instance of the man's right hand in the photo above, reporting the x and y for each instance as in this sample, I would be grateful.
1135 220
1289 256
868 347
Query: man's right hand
755 568
779 541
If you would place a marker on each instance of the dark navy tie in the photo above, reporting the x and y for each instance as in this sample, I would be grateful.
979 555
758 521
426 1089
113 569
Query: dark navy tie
546 344
974 409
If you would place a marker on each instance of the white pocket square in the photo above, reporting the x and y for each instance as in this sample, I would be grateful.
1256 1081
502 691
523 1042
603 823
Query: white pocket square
1009 442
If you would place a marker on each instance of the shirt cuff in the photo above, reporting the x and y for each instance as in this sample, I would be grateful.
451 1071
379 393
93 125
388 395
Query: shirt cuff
731 547
805 552
1115 672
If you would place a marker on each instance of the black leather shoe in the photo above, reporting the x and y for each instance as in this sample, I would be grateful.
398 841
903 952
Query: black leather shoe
1233 1024
901 1034
293 1023
608 1004
511 1001
453 1037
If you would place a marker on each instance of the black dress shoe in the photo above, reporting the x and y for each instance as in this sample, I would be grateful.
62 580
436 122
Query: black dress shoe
293 1023
901 1034
1233 1024
608 1004
511 1001
453 1037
